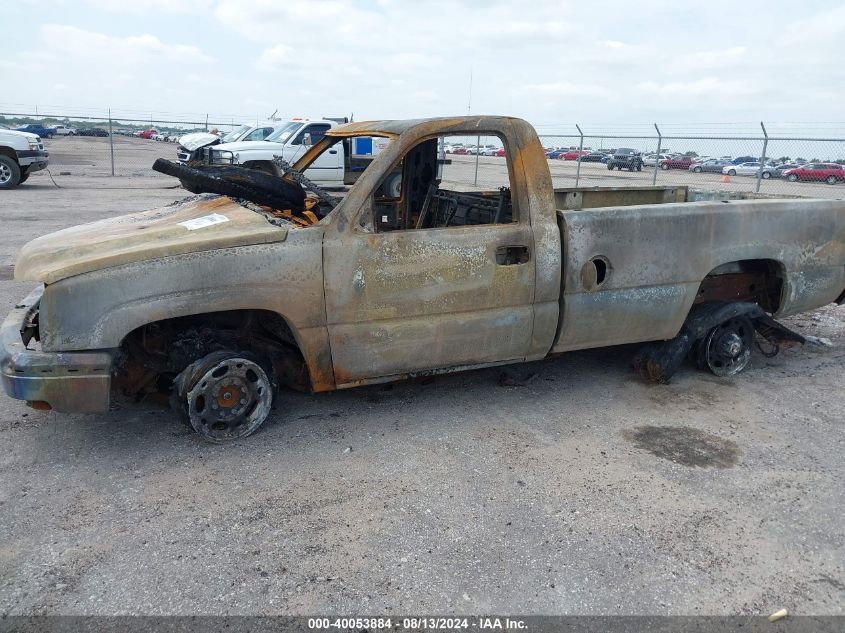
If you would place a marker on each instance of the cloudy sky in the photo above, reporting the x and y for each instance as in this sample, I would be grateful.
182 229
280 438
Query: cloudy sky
553 62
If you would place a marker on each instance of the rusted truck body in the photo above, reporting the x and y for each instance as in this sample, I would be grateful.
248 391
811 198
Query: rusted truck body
211 300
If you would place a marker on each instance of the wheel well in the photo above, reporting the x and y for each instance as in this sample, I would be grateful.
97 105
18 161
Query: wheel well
758 281
153 354
8 151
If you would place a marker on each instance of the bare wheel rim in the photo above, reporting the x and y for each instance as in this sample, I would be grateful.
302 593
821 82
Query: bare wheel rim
727 347
5 173
230 400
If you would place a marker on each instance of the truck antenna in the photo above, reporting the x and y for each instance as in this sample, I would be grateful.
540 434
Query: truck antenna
469 98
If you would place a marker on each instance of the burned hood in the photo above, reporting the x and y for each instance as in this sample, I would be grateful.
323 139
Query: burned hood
200 223
194 141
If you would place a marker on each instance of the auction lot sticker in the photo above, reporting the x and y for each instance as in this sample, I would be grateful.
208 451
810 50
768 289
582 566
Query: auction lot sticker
204 221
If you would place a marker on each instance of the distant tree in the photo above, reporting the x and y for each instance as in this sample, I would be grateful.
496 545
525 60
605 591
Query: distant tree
784 159
691 153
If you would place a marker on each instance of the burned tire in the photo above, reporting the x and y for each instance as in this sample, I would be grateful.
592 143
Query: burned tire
225 395
264 168
10 173
190 186
236 182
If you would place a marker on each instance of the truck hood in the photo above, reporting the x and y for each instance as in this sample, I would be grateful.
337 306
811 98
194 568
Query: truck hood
198 139
241 146
195 224
27 135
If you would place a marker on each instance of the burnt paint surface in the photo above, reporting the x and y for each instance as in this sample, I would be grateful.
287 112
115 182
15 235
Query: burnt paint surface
141 237
408 301
98 309
405 302
686 446
659 254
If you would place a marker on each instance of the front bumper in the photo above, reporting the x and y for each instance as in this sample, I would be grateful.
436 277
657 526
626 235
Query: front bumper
33 159
67 381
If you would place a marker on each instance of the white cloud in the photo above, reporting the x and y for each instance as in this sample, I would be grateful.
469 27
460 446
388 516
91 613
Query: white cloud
153 7
72 43
548 60
711 87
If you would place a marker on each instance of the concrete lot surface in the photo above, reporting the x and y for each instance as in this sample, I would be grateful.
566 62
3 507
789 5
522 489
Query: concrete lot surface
564 486
91 156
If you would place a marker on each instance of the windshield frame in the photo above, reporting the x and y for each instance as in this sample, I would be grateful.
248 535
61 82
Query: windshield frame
290 128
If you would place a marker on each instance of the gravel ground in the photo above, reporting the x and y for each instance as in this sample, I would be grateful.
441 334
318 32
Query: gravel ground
566 486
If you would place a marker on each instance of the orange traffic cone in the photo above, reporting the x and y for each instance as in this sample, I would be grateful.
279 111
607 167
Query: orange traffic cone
726 178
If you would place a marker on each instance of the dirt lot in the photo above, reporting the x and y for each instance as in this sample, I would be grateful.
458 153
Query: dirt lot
564 486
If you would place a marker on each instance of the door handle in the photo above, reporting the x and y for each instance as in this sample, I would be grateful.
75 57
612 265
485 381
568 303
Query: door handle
332 151
512 255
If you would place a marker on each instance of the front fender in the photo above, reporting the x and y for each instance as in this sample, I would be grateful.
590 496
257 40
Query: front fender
96 310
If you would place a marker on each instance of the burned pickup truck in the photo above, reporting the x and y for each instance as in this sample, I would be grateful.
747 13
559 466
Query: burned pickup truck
218 300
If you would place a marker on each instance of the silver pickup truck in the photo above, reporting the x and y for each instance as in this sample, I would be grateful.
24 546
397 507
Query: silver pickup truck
217 301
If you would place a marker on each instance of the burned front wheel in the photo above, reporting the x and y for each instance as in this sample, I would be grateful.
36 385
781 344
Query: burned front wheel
726 349
224 395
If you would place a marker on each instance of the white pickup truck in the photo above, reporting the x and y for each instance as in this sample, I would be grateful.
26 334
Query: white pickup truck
290 141
64 130
21 153
191 145
340 165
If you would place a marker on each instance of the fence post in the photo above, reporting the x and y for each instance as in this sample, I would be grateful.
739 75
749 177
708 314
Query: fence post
477 152
657 159
580 149
763 157
111 144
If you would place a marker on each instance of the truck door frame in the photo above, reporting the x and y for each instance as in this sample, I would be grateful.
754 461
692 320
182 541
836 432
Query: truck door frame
385 322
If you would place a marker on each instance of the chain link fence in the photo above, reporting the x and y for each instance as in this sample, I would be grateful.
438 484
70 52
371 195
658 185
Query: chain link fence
767 165
763 163
91 146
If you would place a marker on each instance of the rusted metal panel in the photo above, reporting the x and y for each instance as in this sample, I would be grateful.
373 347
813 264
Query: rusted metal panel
406 301
411 300
595 197
658 255
143 236
63 381
96 310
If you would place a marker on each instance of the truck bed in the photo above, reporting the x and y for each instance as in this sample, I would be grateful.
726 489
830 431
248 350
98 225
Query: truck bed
633 271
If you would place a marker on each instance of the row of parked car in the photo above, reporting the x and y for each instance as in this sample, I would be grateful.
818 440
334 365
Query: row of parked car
66 130
830 173
473 150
